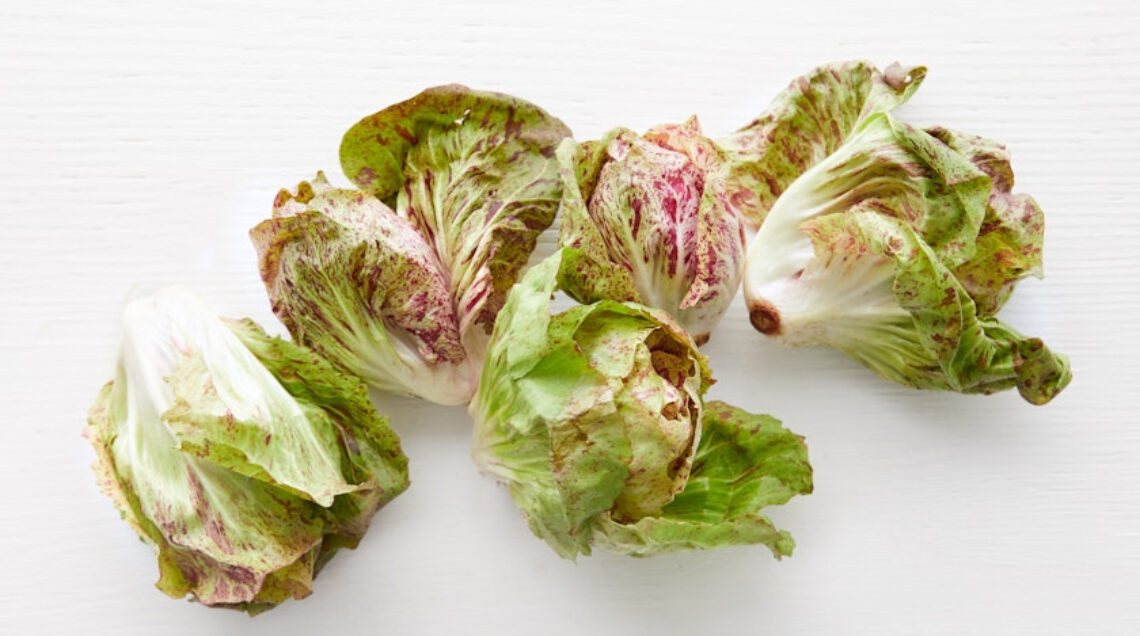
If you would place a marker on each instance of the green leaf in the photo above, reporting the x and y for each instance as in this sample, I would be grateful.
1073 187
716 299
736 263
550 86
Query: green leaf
370 452
651 536
526 383
1010 239
941 342
808 121
744 463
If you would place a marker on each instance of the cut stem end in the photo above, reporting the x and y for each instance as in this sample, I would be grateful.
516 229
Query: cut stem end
764 317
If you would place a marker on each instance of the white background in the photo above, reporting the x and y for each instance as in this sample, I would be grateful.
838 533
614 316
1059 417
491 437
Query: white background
138 144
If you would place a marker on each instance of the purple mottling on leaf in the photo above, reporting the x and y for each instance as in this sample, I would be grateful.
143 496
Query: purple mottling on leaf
365 176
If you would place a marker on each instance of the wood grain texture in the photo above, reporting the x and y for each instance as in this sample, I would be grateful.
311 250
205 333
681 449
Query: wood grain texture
140 142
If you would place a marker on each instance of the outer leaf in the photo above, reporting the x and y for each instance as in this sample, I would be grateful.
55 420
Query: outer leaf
244 530
260 439
946 344
360 285
370 450
651 536
474 173
810 120
526 383
744 463
654 221
594 275
719 241
899 171
1010 239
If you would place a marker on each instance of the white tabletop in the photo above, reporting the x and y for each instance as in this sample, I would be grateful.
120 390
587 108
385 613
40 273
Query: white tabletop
138 144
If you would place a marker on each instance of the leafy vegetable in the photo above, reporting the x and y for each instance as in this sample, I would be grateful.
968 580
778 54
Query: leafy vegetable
594 418
246 460
893 244
655 221
400 282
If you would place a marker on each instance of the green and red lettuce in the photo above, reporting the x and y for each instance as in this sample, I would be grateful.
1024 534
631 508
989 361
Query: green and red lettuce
654 219
400 281
894 244
247 461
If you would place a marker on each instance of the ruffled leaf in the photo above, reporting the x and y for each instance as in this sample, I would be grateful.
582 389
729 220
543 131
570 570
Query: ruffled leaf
1011 236
745 462
808 121
941 342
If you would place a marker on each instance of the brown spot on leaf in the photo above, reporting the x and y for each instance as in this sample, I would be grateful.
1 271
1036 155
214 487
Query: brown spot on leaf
405 134
512 127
